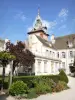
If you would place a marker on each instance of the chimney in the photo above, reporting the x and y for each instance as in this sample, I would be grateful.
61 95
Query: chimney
52 39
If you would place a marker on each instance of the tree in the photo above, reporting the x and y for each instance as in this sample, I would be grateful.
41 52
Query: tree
5 58
23 56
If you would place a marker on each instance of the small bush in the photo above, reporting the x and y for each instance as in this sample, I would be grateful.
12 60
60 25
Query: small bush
17 88
5 85
60 86
31 93
63 76
42 87
64 84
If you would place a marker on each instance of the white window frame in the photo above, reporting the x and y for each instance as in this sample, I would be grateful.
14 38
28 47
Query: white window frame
45 66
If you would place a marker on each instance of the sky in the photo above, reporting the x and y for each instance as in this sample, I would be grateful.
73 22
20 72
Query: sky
17 17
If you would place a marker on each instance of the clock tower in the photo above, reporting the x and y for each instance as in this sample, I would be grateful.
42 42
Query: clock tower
39 28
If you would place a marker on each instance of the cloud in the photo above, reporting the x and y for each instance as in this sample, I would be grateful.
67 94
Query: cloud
20 16
63 13
50 25
62 27
29 29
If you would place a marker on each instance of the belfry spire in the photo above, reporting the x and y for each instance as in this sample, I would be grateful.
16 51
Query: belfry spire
38 11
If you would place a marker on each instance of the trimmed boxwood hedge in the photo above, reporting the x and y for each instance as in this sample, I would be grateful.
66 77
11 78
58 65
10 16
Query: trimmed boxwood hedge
29 79
6 83
63 76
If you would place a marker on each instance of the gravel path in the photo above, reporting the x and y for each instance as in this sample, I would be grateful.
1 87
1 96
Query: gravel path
64 95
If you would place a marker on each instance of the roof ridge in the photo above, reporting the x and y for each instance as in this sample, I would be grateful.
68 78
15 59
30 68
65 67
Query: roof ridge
1 39
64 36
43 41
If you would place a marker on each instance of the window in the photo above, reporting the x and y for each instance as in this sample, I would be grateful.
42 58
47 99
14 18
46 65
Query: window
50 53
63 55
39 67
53 54
45 66
71 54
46 52
57 54
63 65
52 66
56 66
74 41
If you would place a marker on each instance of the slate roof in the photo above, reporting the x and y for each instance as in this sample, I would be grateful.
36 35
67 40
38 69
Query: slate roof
62 42
2 43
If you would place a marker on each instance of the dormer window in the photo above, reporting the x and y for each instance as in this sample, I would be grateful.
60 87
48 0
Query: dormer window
53 39
74 41
50 44
70 44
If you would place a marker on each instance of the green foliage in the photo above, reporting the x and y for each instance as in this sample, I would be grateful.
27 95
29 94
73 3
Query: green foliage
42 88
5 85
63 76
6 82
29 80
60 86
51 83
42 85
18 87
64 84
26 79
32 93
32 86
6 56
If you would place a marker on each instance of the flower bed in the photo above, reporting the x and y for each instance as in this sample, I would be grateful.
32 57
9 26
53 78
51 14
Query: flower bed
37 85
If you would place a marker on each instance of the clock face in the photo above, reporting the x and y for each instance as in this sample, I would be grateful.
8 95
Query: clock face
38 24
41 34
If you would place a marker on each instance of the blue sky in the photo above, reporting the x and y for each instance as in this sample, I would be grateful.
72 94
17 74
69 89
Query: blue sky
17 17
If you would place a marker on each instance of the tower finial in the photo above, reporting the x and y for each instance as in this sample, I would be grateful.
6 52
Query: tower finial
38 11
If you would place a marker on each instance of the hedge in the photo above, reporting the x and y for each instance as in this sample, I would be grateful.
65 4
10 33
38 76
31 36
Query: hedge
63 76
29 79
5 86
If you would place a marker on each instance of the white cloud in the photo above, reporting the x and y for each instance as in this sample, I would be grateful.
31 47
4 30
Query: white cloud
63 13
62 27
50 25
29 29
21 16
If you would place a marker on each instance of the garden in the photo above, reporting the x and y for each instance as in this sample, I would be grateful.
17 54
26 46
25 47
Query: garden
34 86
28 86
